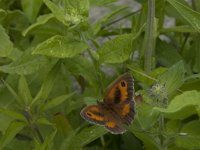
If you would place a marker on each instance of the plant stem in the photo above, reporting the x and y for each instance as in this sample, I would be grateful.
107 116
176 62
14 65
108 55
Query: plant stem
117 20
149 39
161 129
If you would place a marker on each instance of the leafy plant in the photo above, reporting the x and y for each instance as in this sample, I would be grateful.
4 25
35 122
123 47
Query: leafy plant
55 57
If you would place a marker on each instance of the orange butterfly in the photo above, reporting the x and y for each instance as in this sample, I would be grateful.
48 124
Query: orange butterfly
117 107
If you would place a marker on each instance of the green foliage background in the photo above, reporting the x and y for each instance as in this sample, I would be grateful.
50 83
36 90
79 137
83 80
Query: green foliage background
54 61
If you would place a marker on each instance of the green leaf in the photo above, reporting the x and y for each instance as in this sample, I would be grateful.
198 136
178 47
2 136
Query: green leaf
47 85
140 75
146 116
187 13
173 78
81 66
148 140
12 114
101 23
62 124
71 13
191 137
6 46
118 49
101 2
12 91
85 137
43 19
24 91
26 64
61 47
164 53
48 143
57 101
44 121
181 29
131 142
2 14
31 8
10 133
182 105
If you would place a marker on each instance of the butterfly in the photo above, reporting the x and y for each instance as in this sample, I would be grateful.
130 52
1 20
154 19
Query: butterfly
116 109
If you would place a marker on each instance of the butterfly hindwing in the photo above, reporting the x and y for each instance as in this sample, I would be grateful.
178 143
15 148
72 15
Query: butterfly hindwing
114 127
126 111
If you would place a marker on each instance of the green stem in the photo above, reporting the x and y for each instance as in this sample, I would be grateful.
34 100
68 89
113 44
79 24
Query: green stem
117 20
161 130
149 36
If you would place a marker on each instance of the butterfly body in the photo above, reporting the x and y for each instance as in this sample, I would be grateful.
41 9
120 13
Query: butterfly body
117 107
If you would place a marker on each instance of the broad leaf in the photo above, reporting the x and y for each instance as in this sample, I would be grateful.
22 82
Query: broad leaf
190 136
116 50
173 78
182 105
61 47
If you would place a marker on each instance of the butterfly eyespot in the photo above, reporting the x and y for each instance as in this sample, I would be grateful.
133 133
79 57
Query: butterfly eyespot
89 114
123 84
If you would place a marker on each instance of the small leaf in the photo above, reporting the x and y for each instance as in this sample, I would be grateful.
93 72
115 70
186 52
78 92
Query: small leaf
181 29
191 137
71 13
26 64
81 66
12 114
2 14
10 133
12 91
24 91
61 47
148 140
48 143
40 21
6 46
173 78
182 105
146 116
47 85
164 53
56 101
187 13
86 136
62 124
44 121
31 8
118 49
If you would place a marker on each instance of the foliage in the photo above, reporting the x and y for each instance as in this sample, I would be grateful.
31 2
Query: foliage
54 59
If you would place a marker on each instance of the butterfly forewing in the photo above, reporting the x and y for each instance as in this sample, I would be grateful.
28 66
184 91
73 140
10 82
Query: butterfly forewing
120 90
94 114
